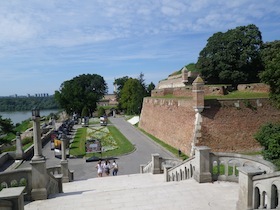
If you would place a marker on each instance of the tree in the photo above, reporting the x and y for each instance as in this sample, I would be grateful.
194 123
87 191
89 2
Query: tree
232 57
150 87
81 91
6 126
119 84
132 96
271 75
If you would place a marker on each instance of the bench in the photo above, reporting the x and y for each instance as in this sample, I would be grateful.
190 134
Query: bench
12 198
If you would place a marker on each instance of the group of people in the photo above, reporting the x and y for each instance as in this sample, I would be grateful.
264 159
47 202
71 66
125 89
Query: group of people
106 167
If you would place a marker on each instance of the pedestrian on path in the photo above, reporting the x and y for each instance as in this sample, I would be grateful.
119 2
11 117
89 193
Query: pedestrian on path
107 167
115 168
99 167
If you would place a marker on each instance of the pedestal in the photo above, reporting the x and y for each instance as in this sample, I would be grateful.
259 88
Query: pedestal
202 172
39 180
65 171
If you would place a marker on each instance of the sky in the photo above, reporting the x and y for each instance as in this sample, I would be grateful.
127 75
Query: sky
44 43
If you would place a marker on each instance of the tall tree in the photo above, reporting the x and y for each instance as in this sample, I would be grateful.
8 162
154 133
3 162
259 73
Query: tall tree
81 92
132 96
271 74
119 84
232 57
150 87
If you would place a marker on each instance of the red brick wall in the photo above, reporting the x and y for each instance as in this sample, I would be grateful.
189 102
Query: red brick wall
170 120
228 128
225 127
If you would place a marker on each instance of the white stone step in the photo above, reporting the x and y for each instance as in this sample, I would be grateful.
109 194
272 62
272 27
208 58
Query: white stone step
140 191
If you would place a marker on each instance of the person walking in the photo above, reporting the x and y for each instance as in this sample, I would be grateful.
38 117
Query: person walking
99 167
107 167
115 168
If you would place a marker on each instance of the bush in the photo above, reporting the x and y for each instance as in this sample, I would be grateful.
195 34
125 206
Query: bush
269 137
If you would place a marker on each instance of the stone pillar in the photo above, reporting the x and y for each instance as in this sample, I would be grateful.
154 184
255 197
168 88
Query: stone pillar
198 101
37 136
198 94
142 166
156 164
202 172
19 150
38 162
245 195
64 161
165 172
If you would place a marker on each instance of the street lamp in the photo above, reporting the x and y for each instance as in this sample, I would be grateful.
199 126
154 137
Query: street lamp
35 113
37 134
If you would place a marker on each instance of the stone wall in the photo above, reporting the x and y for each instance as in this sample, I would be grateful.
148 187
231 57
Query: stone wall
227 125
170 120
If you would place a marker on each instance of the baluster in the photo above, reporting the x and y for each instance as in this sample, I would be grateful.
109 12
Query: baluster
226 169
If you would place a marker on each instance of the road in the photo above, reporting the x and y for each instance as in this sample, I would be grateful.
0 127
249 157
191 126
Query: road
128 164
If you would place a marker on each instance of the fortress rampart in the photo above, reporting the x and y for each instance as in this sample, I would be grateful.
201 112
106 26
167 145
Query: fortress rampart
224 125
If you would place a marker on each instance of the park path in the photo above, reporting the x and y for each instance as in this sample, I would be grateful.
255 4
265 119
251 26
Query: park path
128 164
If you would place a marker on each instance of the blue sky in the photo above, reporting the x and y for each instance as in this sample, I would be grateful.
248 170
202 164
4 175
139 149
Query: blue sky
44 43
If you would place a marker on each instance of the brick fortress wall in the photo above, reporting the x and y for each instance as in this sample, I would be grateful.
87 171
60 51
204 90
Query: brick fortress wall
227 126
170 120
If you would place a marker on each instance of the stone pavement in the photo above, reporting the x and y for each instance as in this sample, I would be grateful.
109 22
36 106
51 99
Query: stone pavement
140 191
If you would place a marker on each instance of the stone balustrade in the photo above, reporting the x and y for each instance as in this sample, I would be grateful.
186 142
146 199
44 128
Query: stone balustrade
225 165
157 165
15 178
266 188
259 182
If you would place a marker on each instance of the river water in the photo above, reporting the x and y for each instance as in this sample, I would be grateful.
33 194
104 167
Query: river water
19 116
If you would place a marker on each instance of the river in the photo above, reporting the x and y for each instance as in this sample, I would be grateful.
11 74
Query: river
19 116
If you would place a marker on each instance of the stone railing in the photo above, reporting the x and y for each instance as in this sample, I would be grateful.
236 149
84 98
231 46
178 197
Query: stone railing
259 183
15 178
184 170
157 165
225 165
258 190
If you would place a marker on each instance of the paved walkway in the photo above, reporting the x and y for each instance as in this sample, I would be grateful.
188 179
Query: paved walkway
128 164
140 191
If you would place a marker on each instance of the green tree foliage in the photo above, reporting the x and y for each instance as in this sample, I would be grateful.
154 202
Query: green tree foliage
119 84
130 93
85 112
27 103
81 91
150 87
132 96
232 57
269 137
271 75
100 111
6 126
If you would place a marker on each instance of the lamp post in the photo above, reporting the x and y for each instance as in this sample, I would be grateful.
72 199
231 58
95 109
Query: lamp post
38 162
37 135
64 161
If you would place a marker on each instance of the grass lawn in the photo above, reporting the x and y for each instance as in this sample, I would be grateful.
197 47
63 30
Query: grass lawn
114 142
239 94
166 146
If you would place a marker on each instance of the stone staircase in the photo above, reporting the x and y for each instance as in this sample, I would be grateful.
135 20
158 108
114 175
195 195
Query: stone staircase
140 191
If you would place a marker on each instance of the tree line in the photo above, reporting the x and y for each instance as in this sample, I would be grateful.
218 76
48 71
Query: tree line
27 103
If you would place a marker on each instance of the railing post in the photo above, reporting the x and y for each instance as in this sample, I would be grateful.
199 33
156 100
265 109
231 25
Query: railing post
142 168
165 172
202 172
64 161
156 164
245 197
